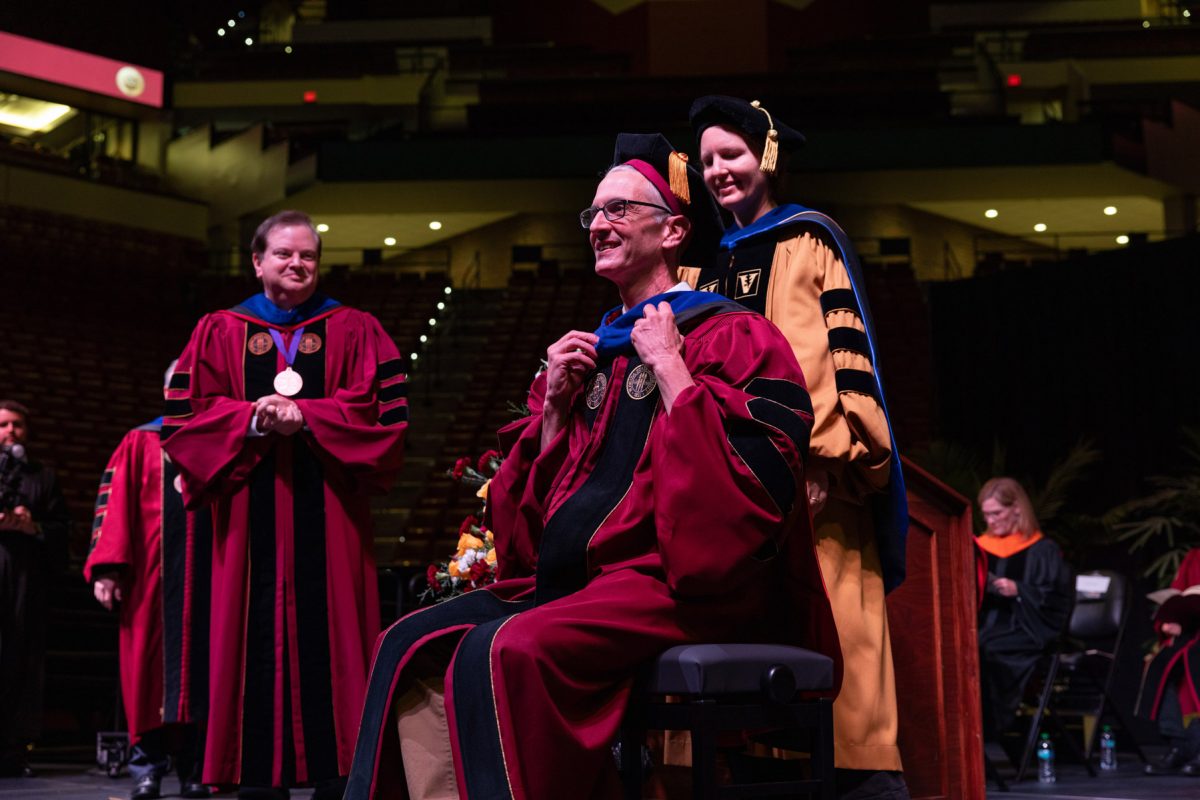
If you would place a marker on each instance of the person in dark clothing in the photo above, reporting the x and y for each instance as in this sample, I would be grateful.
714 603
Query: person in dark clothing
1027 600
33 537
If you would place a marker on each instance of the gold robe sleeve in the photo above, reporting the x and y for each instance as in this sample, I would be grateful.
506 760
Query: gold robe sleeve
850 437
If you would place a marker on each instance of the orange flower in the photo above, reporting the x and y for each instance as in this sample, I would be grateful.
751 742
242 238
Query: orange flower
483 490
453 568
468 542
491 557
490 539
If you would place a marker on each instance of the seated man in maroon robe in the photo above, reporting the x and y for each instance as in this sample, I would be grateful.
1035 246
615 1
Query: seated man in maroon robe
288 410
649 500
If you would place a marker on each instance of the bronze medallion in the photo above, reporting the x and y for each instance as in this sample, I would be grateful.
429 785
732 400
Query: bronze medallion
641 382
596 389
260 343
310 343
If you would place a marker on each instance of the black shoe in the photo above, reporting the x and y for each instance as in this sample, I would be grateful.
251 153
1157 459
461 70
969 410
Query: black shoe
148 787
193 789
1169 764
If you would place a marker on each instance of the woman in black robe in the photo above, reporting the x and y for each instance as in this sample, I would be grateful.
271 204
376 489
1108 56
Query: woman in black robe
1026 603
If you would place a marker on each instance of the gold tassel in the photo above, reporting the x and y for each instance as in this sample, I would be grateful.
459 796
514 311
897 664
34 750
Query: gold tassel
770 157
677 174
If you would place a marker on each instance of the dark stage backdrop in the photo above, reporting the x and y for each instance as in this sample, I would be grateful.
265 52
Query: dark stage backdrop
1103 347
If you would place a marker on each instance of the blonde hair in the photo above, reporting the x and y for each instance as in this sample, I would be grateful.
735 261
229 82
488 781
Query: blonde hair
1008 493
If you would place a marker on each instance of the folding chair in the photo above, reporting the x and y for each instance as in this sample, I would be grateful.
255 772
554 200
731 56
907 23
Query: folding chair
1079 681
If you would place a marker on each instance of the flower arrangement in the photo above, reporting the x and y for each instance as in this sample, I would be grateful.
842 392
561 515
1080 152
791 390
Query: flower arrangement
473 563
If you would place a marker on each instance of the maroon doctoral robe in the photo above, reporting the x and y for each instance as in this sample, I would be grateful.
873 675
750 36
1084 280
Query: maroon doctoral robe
295 599
163 556
635 530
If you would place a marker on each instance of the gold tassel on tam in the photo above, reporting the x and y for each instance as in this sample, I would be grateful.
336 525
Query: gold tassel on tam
677 174
770 157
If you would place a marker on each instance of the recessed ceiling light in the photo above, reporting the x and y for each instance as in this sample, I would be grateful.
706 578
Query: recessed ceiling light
1040 227
287 49
322 228
390 241
991 213
220 31
1110 210
249 41
1122 239
448 290
231 23
434 225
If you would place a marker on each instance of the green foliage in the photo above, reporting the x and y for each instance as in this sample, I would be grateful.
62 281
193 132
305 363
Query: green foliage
1168 517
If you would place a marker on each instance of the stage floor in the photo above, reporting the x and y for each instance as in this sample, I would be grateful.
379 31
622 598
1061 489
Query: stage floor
72 782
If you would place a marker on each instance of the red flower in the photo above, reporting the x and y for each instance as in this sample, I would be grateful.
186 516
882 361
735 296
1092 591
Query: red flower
467 525
485 460
431 578
478 572
460 466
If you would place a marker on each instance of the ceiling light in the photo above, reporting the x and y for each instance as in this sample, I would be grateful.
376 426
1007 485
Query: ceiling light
249 41
220 31
390 241
424 338
231 24
1145 23
435 225
322 228
1040 227
413 356
1110 210
991 213
432 322
1122 239
35 116
448 290
1187 13
287 49
441 306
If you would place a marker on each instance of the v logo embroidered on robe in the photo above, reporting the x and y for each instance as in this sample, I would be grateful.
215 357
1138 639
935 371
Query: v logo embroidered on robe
747 283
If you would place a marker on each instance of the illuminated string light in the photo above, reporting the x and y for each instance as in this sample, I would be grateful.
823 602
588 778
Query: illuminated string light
1040 227
991 213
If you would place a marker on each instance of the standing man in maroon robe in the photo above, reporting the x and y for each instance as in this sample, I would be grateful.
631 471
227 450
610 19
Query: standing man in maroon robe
150 561
288 410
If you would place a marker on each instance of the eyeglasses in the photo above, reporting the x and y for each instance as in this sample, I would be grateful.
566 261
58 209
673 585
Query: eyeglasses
614 210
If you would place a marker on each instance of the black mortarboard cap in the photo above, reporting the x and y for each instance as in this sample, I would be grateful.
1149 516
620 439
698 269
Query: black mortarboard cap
748 117
680 183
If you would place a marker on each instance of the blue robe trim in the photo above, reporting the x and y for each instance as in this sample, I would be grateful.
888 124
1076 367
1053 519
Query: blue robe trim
260 307
891 507
614 336
153 425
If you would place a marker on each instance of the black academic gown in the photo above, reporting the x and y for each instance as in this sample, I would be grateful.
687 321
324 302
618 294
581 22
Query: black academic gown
26 564
1015 631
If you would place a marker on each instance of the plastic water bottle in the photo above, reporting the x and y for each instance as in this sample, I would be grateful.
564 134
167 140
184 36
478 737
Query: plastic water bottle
1045 756
1108 749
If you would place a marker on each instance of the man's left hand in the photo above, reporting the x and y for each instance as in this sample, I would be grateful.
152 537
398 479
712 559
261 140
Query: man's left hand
278 414
20 519
659 344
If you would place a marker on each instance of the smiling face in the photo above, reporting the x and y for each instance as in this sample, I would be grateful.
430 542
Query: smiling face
1001 520
633 248
731 173
288 265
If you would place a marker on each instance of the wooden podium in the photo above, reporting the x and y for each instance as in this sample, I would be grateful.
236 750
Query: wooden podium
932 621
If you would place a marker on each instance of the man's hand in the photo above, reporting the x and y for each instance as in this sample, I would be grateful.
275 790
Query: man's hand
568 361
20 519
107 590
659 345
1171 629
278 414
817 482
